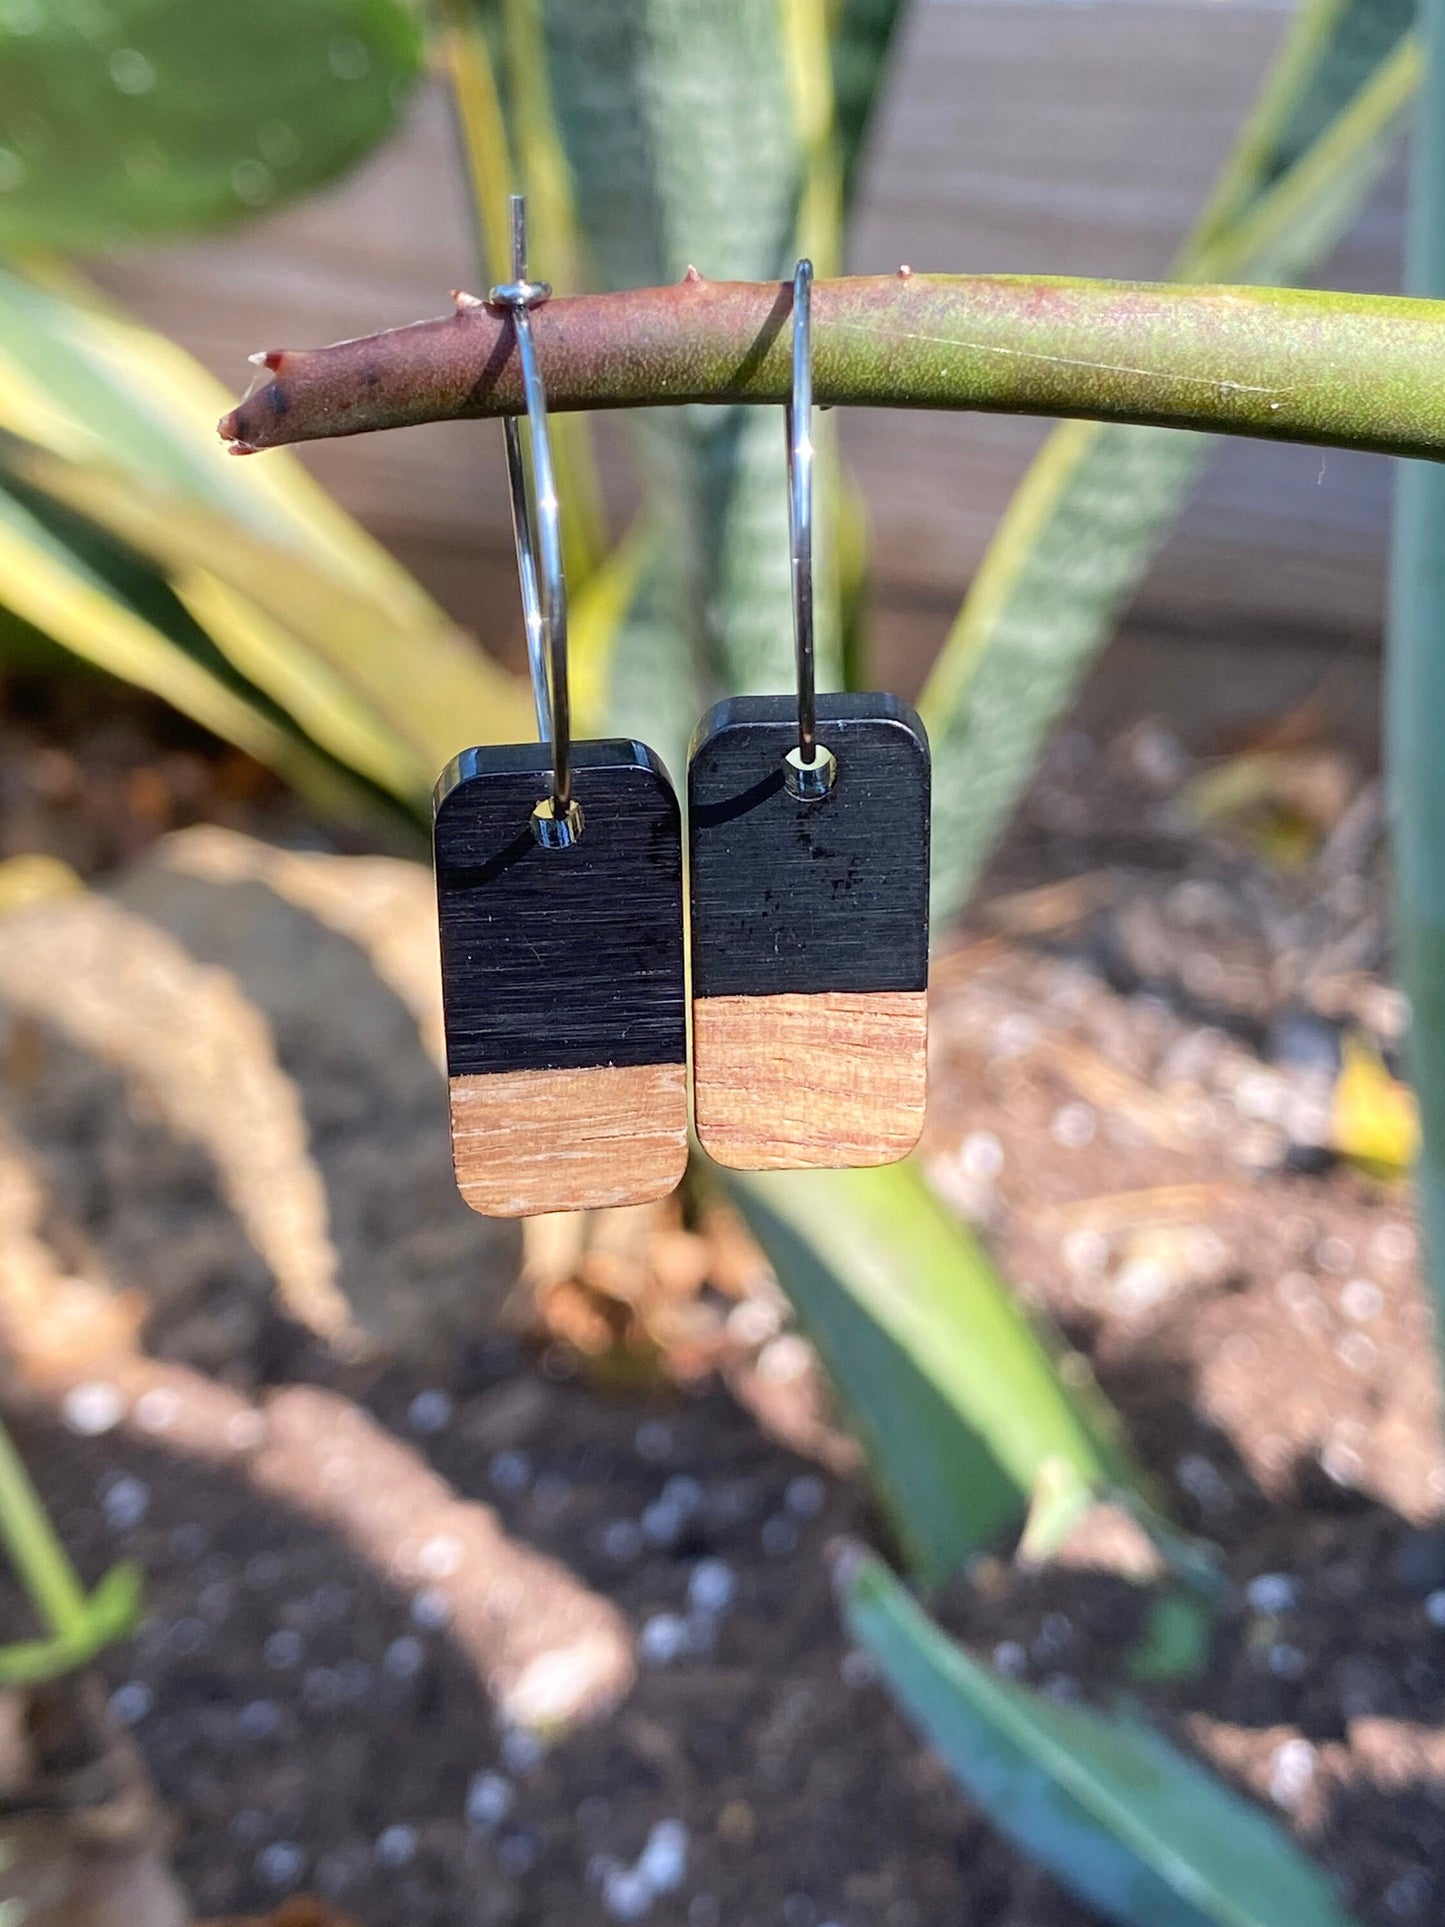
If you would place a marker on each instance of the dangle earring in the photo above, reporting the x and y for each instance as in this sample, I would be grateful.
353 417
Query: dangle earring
808 838
559 892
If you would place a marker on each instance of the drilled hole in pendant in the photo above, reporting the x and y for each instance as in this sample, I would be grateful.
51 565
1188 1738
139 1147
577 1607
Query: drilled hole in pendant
556 832
809 780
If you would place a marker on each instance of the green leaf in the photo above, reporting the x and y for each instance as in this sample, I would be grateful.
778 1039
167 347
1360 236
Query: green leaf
311 619
123 619
1415 684
112 1612
690 131
956 1401
1177 1637
1116 1814
1093 509
862 41
126 119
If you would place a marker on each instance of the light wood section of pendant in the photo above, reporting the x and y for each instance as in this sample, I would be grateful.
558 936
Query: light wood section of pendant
525 1142
822 1081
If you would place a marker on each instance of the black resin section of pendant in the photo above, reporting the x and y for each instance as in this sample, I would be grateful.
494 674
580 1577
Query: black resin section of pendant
808 897
560 959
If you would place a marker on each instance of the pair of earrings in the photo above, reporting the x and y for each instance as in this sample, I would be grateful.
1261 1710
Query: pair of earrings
563 954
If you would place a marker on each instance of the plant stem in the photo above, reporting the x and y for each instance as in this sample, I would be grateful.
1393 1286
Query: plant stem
35 1550
1285 364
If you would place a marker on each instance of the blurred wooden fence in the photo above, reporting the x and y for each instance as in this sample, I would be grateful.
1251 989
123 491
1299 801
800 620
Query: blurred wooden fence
1017 135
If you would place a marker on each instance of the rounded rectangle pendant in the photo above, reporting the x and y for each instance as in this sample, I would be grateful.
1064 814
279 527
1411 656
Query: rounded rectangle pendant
562 979
809 934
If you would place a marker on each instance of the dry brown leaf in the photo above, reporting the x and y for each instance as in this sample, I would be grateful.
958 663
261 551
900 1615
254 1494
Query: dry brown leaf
1374 1119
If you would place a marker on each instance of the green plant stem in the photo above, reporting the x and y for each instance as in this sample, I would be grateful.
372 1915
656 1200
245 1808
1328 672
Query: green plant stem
1284 364
1415 695
35 1550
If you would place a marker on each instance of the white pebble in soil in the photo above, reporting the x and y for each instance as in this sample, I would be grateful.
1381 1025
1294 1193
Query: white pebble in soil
521 1750
395 1846
1356 1351
663 1638
627 1894
1292 1770
1362 1300
283 1650
1393 1244
980 1157
490 1798
663 1523
321 1689
430 1412
1334 1254
431 1610
622 1540
712 1586
518 1855
805 1496
663 1860
125 1502
1286 1661
510 1472
779 1536
132 1702
754 1321
93 1409
281 1865
158 1409
441 1556
258 1719
404 1658
1273 1593
1085 1253
1204 1482
1074 1126
188 1637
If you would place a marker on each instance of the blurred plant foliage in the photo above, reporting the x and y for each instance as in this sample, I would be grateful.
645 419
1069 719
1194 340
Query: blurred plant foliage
127 119
649 134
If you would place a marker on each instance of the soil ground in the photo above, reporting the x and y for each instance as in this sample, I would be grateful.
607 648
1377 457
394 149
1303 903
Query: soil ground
1135 1038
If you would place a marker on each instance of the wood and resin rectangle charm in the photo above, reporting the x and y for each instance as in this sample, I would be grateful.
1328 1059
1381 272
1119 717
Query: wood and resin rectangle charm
562 981
809 936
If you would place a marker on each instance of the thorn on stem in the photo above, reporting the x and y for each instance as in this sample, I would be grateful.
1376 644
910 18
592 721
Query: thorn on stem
464 300
691 276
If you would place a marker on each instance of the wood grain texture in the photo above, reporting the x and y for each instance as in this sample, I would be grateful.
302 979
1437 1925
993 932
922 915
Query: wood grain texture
525 1142
823 1082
